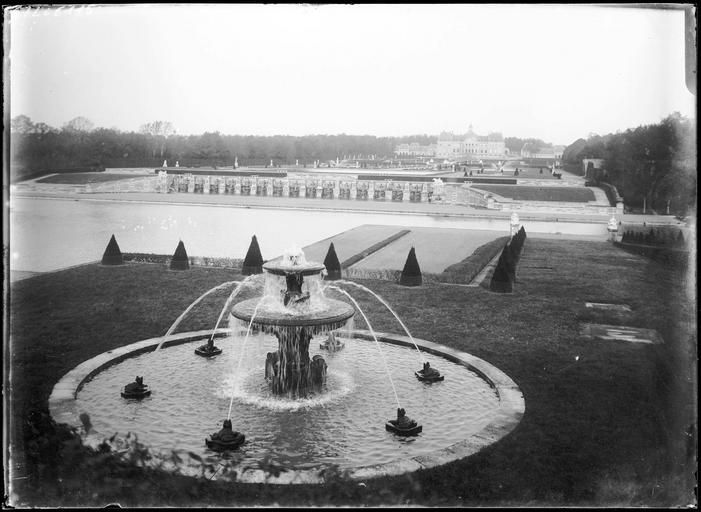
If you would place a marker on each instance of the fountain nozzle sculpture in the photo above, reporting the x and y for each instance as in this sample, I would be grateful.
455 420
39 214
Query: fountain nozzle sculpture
299 313
428 374
136 389
208 349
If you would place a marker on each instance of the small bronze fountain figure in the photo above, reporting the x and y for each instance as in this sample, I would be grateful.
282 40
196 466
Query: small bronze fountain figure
208 349
136 389
428 374
403 425
225 439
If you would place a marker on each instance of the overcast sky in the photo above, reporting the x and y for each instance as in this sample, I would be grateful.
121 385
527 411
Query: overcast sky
552 72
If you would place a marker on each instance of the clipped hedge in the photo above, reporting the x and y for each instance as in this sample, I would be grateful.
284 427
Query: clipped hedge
200 261
465 271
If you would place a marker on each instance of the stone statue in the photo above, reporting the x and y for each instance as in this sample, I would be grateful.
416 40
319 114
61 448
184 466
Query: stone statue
403 421
135 387
226 434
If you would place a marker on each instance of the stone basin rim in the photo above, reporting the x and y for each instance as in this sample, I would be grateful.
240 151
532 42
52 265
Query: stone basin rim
63 407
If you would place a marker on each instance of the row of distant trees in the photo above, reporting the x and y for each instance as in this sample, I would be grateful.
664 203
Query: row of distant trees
653 166
38 147
515 144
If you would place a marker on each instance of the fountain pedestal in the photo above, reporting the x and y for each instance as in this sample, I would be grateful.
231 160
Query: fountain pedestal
293 319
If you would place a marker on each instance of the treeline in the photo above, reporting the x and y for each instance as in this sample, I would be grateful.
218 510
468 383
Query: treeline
38 148
653 167
515 144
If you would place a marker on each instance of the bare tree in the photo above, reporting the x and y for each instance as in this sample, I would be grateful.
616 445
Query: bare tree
79 124
160 130
21 124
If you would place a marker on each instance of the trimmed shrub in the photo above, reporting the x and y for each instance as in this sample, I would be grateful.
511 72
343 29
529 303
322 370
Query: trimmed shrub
501 280
510 256
333 266
411 275
112 254
180 260
253 262
466 270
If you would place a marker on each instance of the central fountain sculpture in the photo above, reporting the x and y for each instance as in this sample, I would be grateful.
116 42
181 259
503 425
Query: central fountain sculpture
294 310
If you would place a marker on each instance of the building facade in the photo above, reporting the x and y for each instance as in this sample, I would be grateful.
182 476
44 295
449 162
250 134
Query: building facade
458 146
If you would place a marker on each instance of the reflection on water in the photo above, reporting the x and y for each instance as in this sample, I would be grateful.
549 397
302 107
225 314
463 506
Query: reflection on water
48 234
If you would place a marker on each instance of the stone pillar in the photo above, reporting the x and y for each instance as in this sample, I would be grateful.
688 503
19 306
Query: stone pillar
286 188
222 185
206 185
237 186
354 190
254 184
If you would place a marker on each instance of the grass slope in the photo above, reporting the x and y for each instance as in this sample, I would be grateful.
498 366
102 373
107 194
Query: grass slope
606 423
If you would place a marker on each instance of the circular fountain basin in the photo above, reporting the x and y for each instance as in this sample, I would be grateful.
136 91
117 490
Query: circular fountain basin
343 427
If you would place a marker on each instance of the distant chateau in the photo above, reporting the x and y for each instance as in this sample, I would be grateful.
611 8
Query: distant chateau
450 145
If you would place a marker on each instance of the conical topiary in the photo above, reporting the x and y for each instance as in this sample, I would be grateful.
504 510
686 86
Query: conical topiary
179 261
411 275
333 266
112 254
501 279
253 262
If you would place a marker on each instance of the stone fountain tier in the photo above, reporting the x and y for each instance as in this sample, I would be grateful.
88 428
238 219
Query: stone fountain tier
289 370
273 319
281 268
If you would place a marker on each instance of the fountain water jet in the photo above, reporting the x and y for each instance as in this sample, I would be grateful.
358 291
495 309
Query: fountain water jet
208 349
298 312
375 338
138 389
427 373
243 347
184 313
363 394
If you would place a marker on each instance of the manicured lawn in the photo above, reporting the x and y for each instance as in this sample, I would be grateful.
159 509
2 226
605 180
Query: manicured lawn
606 423
436 249
525 193
351 242
83 178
